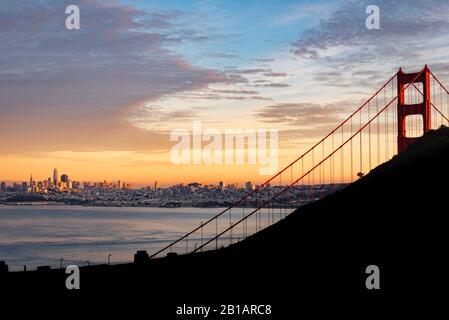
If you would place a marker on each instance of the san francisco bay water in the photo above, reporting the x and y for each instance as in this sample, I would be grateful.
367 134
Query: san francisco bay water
37 235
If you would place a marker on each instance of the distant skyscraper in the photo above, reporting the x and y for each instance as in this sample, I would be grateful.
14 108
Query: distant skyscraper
31 185
221 184
65 178
3 187
249 185
55 176
155 185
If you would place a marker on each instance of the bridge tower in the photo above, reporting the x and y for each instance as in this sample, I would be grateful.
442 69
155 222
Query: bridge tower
405 110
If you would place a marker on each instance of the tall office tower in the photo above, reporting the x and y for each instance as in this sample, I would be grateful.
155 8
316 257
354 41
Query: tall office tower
119 184
249 185
221 185
31 185
65 178
3 187
55 176
155 185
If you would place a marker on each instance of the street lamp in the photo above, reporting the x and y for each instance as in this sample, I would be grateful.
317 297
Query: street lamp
60 262
109 258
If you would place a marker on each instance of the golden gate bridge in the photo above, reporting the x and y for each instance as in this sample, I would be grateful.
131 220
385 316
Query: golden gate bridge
407 106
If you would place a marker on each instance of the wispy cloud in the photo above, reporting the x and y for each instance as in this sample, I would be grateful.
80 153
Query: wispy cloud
221 55
303 11
275 74
273 85
264 60
301 114
302 120
412 33
407 27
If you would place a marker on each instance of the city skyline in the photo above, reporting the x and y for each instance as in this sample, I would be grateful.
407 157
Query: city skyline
65 177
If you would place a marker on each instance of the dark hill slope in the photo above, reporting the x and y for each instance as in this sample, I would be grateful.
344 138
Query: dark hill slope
394 217
402 197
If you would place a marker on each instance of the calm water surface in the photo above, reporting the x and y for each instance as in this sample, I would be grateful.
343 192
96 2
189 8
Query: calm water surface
41 235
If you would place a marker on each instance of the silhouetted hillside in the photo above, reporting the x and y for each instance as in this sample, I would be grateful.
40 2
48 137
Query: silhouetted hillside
411 180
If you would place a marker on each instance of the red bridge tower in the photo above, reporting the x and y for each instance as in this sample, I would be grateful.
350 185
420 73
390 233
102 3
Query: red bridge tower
405 110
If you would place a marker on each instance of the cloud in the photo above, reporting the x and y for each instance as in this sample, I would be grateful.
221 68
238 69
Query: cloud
251 71
260 81
304 120
302 11
275 74
235 91
349 56
258 71
301 114
264 60
216 94
152 117
74 89
273 85
407 27
289 137
441 70
221 55
261 98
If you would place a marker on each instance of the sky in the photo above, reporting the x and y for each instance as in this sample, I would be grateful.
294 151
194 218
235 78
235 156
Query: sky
100 103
